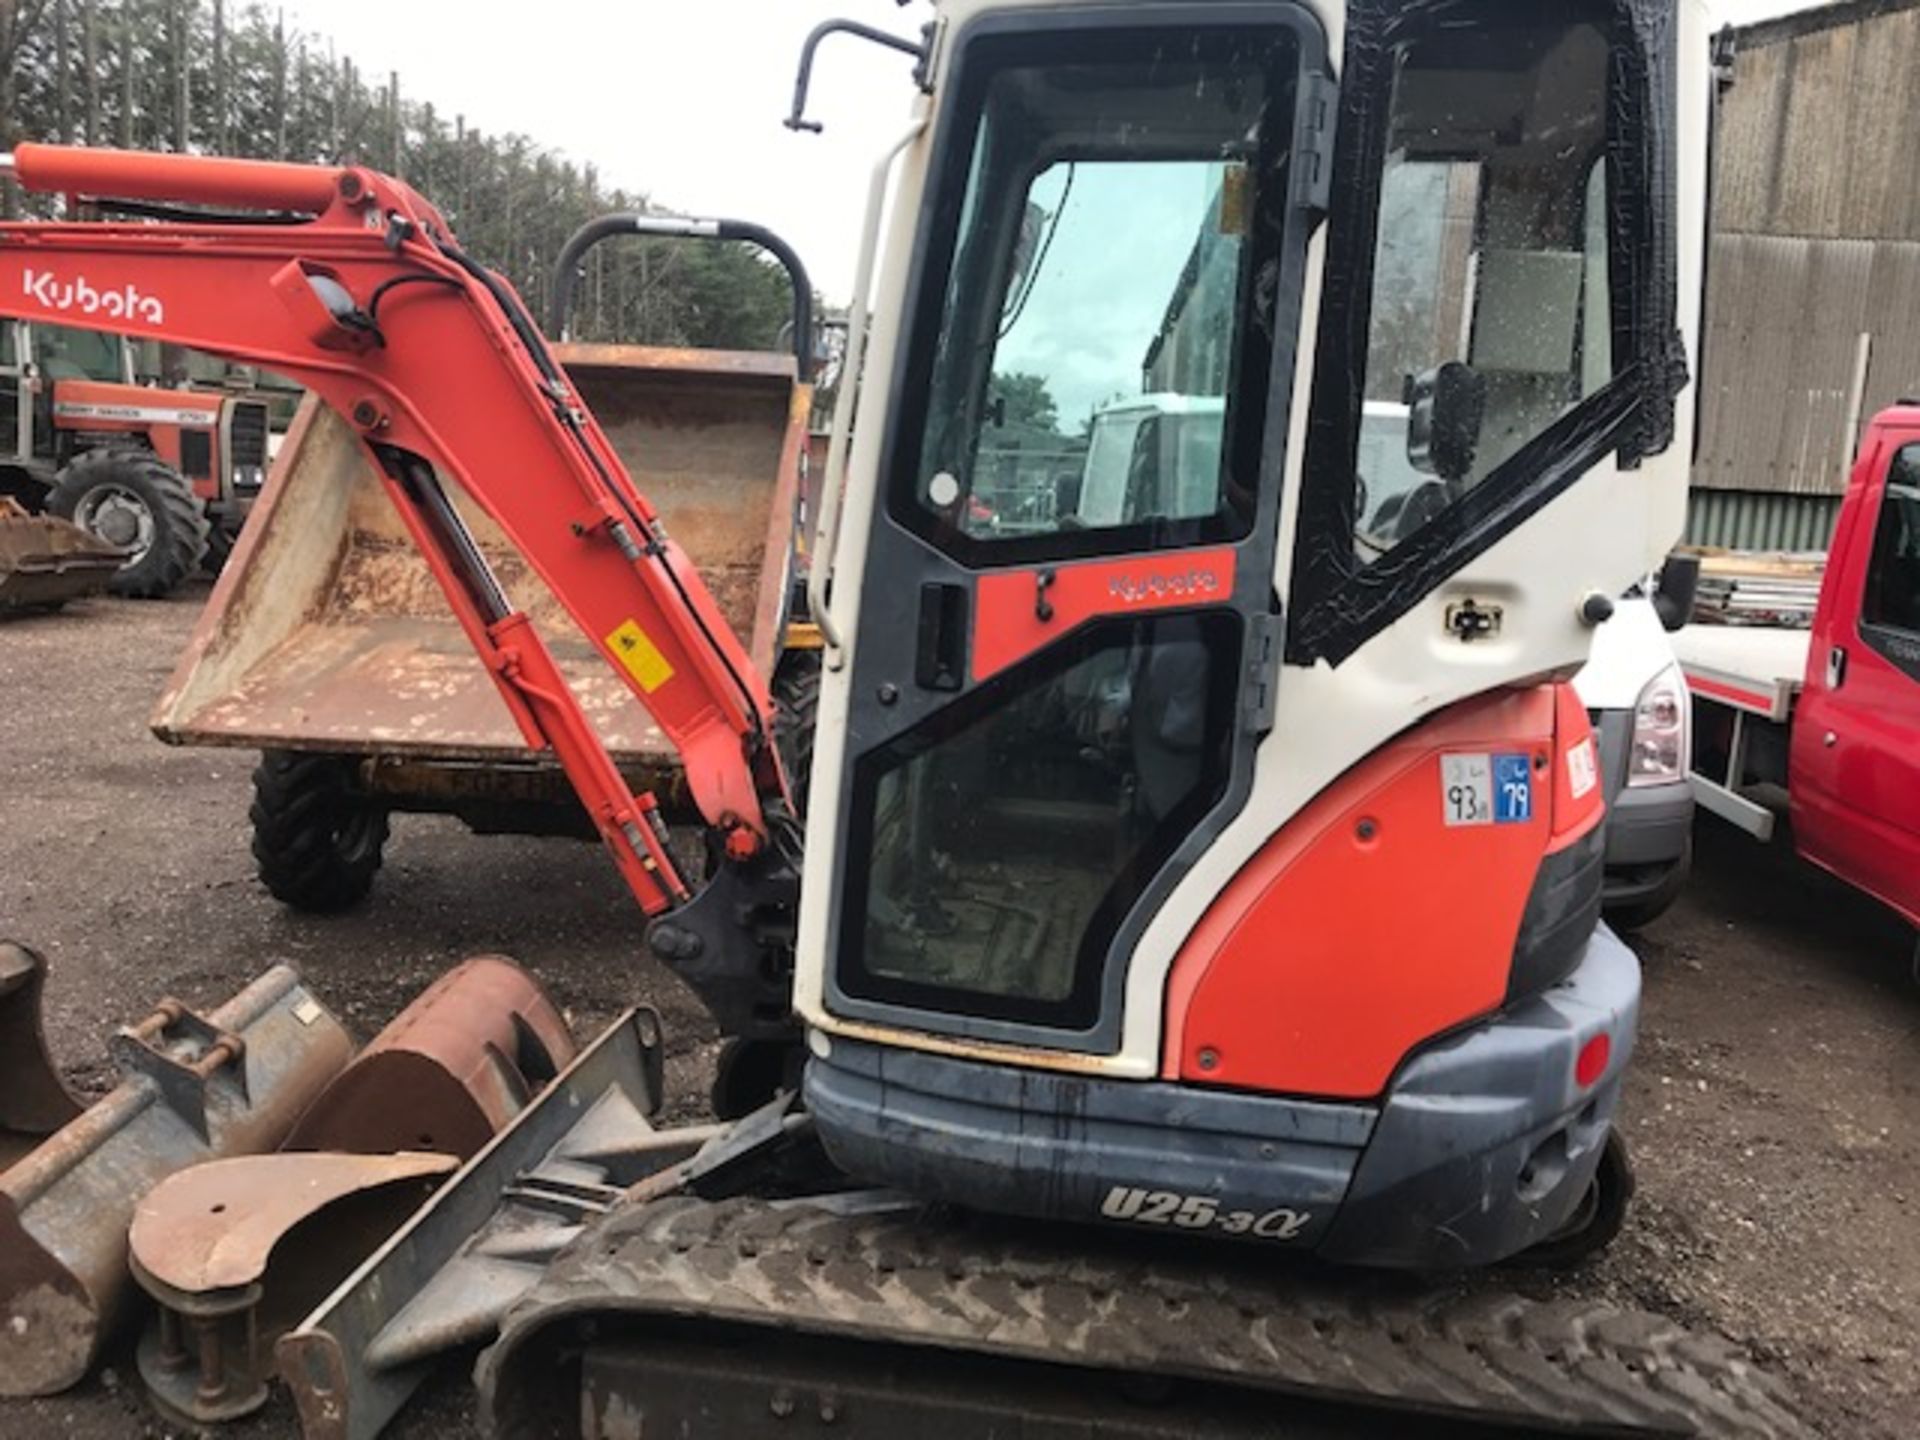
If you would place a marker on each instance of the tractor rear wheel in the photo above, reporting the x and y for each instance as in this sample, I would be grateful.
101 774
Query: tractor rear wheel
135 500
316 841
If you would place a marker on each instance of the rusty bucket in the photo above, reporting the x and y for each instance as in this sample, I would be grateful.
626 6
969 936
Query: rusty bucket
46 561
467 1055
34 1101
236 1251
197 1087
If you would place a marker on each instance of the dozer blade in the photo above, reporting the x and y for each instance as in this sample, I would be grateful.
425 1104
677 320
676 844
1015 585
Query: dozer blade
34 1102
46 561
701 1319
196 1088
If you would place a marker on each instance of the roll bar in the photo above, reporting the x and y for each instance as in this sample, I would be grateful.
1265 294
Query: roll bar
566 270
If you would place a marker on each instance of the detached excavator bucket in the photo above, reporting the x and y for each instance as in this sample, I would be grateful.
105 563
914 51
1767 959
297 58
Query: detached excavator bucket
327 632
34 1101
46 561
231 1082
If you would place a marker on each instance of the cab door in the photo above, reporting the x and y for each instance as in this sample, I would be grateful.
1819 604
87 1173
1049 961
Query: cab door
1855 760
1057 674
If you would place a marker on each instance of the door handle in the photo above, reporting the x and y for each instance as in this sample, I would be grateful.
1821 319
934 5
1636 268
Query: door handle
940 658
1836 667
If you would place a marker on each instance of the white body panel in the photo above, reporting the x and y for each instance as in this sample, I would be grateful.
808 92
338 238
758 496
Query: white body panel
1766 665
1628 651
1602 534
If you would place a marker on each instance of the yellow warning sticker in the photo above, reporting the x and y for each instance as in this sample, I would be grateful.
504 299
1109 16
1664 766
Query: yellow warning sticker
641 656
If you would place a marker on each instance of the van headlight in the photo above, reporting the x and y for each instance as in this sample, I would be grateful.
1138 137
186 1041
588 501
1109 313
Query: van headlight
1662 720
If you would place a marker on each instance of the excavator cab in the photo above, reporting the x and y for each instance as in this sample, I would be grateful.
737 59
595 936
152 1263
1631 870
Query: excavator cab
1200 802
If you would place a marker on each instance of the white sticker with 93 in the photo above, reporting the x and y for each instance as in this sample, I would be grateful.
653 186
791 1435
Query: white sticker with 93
1201 1212
1486 789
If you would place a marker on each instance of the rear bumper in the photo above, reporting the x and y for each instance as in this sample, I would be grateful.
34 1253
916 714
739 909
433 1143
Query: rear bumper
1482 1146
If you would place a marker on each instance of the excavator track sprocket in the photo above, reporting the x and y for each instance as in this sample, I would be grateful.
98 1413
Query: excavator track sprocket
816 1299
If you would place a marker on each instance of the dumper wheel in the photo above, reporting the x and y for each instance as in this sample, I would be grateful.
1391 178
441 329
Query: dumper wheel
1598 1218
135 500
316 841
219 550
796 708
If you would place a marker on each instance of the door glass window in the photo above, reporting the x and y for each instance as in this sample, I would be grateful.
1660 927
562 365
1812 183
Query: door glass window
9 344
1893 584
1011 834
1491 310
1120 207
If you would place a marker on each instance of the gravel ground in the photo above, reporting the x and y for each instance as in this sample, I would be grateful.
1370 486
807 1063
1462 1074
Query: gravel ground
1771 1110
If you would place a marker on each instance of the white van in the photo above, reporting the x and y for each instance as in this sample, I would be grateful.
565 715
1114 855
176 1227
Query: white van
1642 717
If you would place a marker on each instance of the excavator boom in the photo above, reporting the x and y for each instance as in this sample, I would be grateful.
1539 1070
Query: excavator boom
350 283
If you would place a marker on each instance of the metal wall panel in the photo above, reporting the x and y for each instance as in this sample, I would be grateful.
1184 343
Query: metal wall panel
1785 318
1816 245
1744 520
1820 135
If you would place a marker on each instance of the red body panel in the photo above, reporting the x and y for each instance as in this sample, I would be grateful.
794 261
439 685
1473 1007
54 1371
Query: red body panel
1369 924
1854 768
453 383
1018 614
1759 701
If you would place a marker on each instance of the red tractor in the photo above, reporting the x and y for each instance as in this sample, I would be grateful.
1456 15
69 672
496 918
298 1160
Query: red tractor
166 475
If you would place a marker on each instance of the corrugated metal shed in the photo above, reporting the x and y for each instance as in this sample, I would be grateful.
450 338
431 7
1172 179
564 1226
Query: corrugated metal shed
1745 520
1804 340
1820 135
1813 296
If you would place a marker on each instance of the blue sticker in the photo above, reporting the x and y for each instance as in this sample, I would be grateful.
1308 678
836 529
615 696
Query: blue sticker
1512 789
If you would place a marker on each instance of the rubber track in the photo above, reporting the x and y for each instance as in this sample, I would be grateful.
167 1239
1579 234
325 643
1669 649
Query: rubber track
1194 1311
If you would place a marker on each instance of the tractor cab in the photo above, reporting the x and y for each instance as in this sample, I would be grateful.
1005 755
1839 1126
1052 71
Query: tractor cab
133 454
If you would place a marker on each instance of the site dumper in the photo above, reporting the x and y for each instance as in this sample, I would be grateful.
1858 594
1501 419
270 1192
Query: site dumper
328 646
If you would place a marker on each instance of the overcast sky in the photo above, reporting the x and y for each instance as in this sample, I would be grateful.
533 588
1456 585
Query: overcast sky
679 98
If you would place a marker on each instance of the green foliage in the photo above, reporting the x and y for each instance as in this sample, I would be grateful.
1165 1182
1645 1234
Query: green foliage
1029 404
279 93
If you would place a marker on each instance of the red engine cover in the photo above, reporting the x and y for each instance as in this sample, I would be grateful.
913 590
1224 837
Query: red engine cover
1386 912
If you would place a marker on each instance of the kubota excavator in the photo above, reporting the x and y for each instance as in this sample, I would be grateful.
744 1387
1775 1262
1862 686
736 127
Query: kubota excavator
1201 838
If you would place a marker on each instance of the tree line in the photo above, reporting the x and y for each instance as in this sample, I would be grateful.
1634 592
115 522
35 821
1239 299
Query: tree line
211 77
